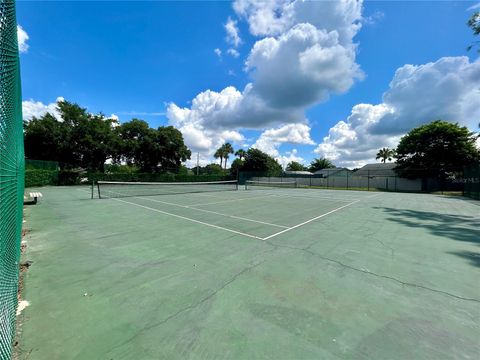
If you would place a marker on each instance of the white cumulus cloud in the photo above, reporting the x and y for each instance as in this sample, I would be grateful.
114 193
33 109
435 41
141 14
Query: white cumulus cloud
31 108
448 89
233 53
270 140
304 54
289 156
274 17
22 37
233 36
194 122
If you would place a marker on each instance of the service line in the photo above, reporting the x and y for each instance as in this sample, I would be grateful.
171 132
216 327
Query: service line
309 221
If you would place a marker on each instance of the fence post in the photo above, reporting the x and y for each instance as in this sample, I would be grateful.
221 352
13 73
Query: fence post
368 180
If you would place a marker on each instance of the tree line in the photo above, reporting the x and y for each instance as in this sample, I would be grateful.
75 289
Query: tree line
433 150
255 160
80 139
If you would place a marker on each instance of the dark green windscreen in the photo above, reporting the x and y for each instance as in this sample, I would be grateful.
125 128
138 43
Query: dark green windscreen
11 174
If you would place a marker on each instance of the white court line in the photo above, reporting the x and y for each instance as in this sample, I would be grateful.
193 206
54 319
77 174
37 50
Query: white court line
212 212
232 200
372 196
316 198
309 221
188 219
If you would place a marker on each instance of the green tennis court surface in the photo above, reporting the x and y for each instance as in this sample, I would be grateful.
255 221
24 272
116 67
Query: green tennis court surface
261 274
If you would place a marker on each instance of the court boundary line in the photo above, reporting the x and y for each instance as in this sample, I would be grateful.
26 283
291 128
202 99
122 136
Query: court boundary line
189 219
211 212
231 200
309 221
235 231
317 198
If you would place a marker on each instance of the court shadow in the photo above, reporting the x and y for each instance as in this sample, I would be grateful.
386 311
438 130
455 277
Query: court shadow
472 257
455 227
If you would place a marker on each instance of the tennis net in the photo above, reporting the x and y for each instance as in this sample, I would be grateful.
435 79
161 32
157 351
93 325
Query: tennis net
266 185
118 189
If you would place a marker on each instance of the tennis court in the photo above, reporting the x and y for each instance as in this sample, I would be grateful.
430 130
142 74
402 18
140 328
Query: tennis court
266 273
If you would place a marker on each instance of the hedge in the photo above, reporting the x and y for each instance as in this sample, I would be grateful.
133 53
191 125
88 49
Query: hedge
39 177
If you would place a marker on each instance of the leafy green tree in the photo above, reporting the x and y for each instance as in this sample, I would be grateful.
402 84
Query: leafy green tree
94 141
236 167
138 145
81 139
46 138
319 164
212 169
295 166
227 149
240 153
86 140
172 151
474 24
385 154
435 149
120 169
150 149
257 160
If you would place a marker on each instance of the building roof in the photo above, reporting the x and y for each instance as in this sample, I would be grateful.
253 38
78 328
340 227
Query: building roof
330 171
377 169
299 172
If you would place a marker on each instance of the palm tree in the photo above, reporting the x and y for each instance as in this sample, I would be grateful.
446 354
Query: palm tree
240 153
227 150
319 164
385 154
219 154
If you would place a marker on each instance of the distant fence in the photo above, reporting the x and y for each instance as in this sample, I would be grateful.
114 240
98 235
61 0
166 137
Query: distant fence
348 182
464 181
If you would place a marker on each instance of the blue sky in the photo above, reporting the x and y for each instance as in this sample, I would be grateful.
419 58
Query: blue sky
298 80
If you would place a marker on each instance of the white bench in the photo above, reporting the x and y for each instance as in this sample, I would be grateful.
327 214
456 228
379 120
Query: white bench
34 196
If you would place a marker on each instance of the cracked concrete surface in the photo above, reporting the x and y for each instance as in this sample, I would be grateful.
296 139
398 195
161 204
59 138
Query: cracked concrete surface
394 276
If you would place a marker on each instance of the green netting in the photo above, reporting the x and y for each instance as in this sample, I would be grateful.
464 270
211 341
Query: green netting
31 164
11 174
472 181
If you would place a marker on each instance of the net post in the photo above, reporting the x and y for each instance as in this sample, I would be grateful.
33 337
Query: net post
93 185
98 188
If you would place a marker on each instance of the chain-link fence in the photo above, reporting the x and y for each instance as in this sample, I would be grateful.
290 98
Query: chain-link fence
31 164
471 181
11 174
454 180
